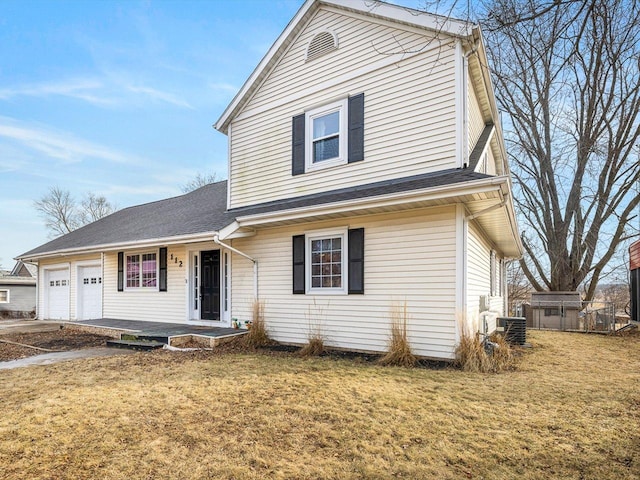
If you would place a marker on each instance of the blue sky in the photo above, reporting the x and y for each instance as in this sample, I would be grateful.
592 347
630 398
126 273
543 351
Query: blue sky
118 98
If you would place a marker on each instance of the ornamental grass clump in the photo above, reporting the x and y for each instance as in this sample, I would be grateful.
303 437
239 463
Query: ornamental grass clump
314 348
257 336
473 356
399 351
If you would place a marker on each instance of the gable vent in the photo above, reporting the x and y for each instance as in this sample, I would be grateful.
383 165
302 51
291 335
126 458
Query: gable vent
321 44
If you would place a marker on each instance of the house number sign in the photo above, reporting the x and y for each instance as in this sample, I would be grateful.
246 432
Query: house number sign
175 260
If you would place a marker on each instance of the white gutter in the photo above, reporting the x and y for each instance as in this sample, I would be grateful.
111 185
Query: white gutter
432 193
216 239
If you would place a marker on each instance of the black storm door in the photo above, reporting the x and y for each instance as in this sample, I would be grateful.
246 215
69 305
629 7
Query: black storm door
210 285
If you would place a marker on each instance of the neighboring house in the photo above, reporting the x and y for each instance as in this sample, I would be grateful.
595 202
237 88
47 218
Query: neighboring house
366 169
18 291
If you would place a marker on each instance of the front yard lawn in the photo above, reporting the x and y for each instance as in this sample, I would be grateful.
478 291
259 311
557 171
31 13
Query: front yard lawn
571 410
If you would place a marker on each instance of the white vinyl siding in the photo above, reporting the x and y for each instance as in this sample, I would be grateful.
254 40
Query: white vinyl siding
409 109
479 278
475 118
408 257
147 304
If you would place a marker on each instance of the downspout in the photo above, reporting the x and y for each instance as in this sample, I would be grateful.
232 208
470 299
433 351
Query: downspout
216 239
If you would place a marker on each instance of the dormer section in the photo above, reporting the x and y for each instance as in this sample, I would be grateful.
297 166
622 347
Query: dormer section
348 95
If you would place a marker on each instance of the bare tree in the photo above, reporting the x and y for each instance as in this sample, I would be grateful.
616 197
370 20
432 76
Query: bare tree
94 207
200 180
518 287
618 295
567 77
62 213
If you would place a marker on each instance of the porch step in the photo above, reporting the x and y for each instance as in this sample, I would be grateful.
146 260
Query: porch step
146 337
135 344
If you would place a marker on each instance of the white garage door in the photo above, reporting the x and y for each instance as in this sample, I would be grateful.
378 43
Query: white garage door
57 294
89 292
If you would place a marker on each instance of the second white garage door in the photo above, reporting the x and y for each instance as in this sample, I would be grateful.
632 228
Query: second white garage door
89 292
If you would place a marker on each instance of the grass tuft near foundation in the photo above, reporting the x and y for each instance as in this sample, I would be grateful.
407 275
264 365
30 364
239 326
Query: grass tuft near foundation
571 410
399 351
257 336
471 355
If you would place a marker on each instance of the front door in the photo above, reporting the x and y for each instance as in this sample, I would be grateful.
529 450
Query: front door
210 285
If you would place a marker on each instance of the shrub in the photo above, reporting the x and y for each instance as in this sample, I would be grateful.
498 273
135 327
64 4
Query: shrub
399 351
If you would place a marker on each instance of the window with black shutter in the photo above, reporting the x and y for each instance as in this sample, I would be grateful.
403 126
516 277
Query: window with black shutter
330 135
329 262
298 264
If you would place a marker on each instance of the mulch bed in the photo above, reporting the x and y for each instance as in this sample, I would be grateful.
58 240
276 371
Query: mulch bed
70 339
59 340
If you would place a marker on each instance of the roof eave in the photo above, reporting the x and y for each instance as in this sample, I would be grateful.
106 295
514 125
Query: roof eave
451 192
151 242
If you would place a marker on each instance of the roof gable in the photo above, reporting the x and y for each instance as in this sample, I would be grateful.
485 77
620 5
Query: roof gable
372 9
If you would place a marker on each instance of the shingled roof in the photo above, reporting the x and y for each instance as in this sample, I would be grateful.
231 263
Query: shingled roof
370 190
200 211
204 210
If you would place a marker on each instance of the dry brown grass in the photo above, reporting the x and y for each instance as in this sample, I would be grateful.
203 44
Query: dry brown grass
257 336
313 348
472 357
570 411
399 351
315 317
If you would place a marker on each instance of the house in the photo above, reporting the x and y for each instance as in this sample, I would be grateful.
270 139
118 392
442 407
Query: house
367 169
18 291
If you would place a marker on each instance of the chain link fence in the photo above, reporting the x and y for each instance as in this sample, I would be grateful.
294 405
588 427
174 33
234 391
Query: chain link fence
577 316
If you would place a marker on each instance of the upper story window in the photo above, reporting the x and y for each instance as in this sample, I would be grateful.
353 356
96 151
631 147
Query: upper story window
142 270
321 44
330 135
326 136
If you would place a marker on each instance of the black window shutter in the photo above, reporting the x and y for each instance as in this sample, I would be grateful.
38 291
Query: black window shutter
297 148
356 128
162 283
298 264
120 271
356 260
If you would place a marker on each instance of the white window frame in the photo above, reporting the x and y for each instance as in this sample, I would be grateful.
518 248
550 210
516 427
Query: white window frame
340 106
140 287
323 235
8 300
